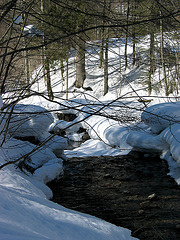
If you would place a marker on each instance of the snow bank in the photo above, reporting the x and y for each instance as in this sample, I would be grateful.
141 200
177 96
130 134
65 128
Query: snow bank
57 145
100 128
26 120
160 116
26 214
163 117
49 171
93 148
109 131
68 127
31 121
171 136
13 149
163 135
146 142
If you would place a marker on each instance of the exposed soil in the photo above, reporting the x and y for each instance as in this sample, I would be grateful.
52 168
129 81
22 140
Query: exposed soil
130 191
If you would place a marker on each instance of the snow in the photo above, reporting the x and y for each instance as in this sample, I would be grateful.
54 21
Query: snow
26 120
26 211
18 19
50 170
145 141
14 149
27 214
31 31
93 148
1 102
160 116
171 136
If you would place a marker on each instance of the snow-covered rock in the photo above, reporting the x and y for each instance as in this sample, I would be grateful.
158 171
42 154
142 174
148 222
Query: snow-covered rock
160 116
94 148
49 171
57 144
31 31
13 149
171 136
68 127
29 120
146 142
107 130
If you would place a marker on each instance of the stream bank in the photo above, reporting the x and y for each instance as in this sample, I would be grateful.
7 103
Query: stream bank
131 191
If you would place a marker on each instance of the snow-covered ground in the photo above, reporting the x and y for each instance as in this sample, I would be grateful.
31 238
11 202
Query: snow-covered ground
114 127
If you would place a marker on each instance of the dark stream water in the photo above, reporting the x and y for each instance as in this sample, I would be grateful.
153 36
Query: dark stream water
130 191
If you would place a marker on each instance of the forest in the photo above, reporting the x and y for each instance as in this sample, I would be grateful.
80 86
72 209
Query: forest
89 95
35 33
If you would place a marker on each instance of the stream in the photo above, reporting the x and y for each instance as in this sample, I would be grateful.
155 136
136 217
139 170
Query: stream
132 191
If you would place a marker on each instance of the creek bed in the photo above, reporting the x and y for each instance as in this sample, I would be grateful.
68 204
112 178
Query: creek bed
132 191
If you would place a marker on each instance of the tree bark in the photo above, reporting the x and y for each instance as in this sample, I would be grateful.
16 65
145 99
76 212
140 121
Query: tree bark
134 35
67 80
62 70
101 53
162 59
80 62
48 79
151 69
106 68
26 63
126 39
134 46
46 64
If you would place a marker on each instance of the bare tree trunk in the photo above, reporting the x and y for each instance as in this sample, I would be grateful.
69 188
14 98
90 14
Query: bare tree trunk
126 39
48 79
46 64
106 67
67 80
177 70
43 48
120 71
43 63
26 62
151 69
62 69
107 7
134 33
162 59
101 54
80 62
134 46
